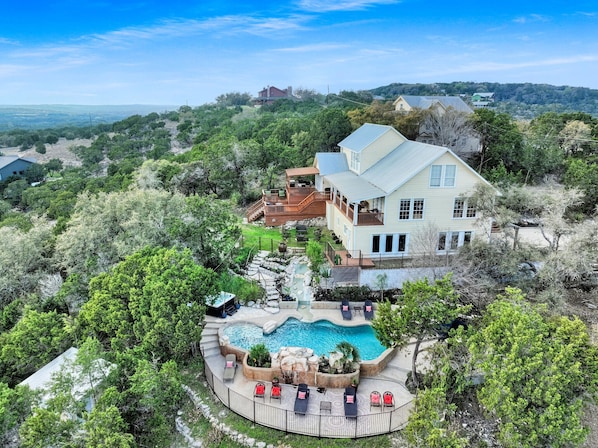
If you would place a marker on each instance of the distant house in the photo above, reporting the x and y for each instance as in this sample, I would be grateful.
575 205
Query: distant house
405 103
270 94
482 99
14 166
463 144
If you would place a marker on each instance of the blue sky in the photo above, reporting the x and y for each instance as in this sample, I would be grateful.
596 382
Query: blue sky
176 52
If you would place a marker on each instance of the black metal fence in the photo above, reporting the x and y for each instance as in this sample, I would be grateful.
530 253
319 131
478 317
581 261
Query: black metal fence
317 425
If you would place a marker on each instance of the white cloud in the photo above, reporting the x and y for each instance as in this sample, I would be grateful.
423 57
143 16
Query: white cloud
531 18
343 5
312 48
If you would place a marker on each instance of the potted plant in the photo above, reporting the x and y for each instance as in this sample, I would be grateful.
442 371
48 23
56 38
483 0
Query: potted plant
282 246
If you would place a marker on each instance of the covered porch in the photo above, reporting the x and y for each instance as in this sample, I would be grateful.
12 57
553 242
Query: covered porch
361 202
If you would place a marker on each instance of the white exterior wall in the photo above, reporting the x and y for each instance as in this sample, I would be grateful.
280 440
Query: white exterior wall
438 209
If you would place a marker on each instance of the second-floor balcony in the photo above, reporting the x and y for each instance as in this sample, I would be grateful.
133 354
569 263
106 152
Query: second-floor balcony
365 217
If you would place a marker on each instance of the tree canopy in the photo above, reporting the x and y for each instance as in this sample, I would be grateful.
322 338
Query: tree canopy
155 300
536 372
421 312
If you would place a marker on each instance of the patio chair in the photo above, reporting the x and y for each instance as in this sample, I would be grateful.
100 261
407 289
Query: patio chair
375 399
388 400
230 366
260 390
346 310
275 392
302 399
368 310
350 399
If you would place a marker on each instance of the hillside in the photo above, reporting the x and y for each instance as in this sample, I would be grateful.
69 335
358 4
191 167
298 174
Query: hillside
522 100
59 115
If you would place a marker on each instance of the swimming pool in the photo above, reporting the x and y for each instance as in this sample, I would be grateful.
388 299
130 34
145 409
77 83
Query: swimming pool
321 336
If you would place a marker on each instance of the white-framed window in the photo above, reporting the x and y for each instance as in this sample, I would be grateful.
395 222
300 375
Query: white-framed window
390 243
354 162
442 176
463 209
411 209
451 241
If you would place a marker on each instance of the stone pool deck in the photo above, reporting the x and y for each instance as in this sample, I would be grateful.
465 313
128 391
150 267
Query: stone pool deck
391 378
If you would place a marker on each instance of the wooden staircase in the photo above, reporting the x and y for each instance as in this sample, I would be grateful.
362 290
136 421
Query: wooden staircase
255 211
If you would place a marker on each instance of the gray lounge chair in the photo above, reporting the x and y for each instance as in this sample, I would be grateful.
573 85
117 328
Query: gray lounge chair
368 310
350 399
230 366
346 310
302 399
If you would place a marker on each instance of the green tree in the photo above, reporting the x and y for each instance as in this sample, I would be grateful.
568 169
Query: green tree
153 398
154 299
207 228
434 420
536 373
46 428
33 342
501 140
429 424
328 128
15 406
24 259
583 174
106 428
419 314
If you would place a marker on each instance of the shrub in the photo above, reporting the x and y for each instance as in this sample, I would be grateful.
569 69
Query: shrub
259 356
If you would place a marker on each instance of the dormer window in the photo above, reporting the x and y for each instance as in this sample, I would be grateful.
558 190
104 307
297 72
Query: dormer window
354 162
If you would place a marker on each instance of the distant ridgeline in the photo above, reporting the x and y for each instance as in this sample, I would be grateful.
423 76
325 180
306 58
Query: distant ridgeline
53 116
523 100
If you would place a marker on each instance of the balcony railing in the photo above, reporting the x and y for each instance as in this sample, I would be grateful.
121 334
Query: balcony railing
364 217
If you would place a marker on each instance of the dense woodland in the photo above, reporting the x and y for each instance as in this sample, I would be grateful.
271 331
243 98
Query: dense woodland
521 100
117 253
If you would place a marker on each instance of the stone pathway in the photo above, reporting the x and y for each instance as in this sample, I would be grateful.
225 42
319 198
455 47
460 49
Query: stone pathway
266 273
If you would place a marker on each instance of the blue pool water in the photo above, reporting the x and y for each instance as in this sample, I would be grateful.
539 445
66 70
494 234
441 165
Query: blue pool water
321 336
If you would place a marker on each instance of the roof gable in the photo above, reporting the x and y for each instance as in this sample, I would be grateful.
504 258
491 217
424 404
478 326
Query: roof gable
367 134
392 171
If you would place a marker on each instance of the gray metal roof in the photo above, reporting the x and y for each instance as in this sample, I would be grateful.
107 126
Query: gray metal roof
425 102
399 166
330 162
7 160
355 188
404 162
365 136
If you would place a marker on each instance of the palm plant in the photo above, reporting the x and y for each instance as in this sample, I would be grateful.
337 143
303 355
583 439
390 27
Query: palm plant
350 356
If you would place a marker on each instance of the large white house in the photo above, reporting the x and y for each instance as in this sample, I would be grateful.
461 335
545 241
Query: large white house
393 197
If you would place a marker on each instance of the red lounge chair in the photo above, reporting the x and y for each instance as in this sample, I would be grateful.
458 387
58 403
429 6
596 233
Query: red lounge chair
375 399
260 390
388 400
275 392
